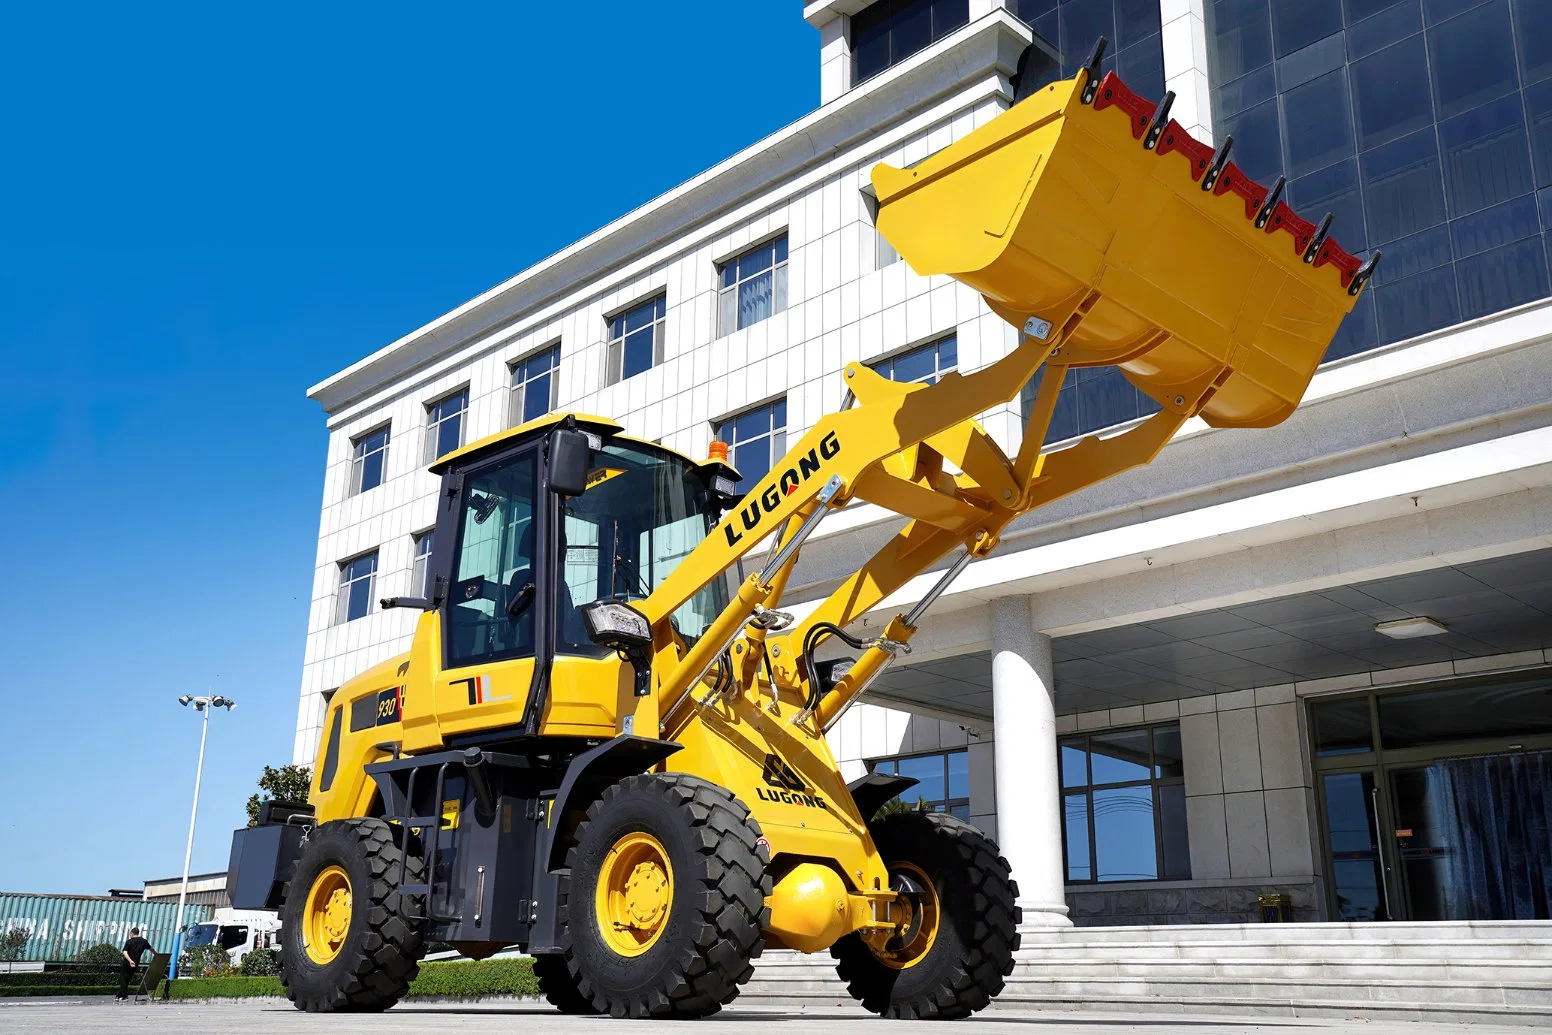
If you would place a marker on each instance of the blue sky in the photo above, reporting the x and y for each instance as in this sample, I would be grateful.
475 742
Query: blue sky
206 209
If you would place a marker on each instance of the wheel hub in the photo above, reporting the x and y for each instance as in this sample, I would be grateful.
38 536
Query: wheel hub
914 916
634 894
326 915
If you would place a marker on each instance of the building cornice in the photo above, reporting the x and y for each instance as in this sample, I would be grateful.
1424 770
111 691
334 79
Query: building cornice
990 45
822 12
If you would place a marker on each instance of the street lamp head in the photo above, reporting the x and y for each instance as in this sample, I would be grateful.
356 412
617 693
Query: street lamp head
186 699
223 702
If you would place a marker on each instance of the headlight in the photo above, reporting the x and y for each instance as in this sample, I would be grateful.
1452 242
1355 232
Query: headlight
611 624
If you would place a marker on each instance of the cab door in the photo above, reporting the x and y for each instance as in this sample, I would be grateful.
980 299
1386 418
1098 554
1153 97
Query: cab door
490 615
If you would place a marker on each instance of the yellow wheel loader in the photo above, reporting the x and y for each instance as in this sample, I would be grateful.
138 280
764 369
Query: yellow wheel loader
606 745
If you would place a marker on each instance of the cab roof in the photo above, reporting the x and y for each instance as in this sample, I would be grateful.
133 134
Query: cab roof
501 439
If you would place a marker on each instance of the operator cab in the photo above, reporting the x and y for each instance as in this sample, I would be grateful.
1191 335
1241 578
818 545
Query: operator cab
538 522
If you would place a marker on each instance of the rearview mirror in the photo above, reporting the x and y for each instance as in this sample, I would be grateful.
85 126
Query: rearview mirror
571 457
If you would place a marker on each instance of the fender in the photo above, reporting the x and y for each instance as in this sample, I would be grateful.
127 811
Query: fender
872 790
586 778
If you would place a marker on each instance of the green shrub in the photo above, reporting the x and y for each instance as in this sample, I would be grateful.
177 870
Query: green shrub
64 991
470 980
101 955
205 961
58 978
260 963
227 988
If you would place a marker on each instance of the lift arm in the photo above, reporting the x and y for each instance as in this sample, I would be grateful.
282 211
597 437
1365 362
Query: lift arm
1070 217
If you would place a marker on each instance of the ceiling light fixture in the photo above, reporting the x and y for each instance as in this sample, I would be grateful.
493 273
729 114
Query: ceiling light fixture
1411 628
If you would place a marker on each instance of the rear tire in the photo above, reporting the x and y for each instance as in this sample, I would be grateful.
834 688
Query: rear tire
679 919
362 955
962 964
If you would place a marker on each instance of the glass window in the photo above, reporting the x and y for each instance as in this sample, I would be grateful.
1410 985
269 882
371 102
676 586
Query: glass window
1317 124
1135 21
636 340
1081 25
1403 188
1514 709
1258 145
1120 757
1472 58
1333 189
944 780
1342 727
752 287
1538 105
1418 304
1533 33
1494 227
1382 23
1358 331
756 439
1298 23
1142 65
357 586
924 365
535 382
368 455
1239 36
1486 155
1501 278
644 511
1245 92
1124 805
889 31
884 253
444 424
420 573
489 609
1390 93
1075 830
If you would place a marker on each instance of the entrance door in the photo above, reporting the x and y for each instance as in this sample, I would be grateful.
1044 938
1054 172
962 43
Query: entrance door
1474 837
1360 877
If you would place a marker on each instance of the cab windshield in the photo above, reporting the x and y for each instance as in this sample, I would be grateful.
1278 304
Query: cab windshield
200 934
642 513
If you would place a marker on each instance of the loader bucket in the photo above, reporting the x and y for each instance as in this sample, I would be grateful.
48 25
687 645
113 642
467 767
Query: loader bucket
1087 208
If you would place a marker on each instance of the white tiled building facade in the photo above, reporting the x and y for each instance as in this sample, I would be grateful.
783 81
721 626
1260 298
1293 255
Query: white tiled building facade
1179 606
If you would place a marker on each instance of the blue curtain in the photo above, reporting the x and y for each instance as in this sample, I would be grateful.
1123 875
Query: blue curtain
1497 819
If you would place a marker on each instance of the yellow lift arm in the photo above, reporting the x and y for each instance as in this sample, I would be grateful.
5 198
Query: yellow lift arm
1097 226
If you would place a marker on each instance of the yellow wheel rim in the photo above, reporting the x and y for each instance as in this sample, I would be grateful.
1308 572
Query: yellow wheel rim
326 915
635 894
916 920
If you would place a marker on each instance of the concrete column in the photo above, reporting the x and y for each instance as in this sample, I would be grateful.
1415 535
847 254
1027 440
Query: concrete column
1029 810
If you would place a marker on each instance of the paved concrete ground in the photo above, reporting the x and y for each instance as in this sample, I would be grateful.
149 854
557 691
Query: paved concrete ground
268 1016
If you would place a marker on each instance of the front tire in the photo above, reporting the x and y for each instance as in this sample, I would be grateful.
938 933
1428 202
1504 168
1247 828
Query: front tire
957 947
666 898
345 948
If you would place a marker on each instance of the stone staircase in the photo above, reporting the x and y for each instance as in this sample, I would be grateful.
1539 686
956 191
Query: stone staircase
1500 972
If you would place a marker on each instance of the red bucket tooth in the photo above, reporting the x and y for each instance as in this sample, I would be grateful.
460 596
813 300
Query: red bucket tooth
1112 92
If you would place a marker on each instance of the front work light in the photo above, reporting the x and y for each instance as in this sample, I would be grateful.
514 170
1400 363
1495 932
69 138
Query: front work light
616 625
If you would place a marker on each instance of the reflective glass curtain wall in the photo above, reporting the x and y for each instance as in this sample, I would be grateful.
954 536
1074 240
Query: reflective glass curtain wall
1425 126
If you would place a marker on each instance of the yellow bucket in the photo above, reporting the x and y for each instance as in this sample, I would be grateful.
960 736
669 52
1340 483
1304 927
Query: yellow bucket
1060 212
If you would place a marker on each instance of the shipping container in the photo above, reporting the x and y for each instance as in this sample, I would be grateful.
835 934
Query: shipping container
62 925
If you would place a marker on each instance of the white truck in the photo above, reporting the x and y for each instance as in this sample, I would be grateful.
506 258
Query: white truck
238 931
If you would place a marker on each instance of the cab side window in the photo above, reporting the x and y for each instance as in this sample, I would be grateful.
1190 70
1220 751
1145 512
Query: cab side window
491 605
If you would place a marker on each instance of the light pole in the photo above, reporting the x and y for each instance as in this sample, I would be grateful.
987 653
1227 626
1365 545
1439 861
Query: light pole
202 705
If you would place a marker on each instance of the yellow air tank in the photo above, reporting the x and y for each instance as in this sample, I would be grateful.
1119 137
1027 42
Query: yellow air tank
1086 212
